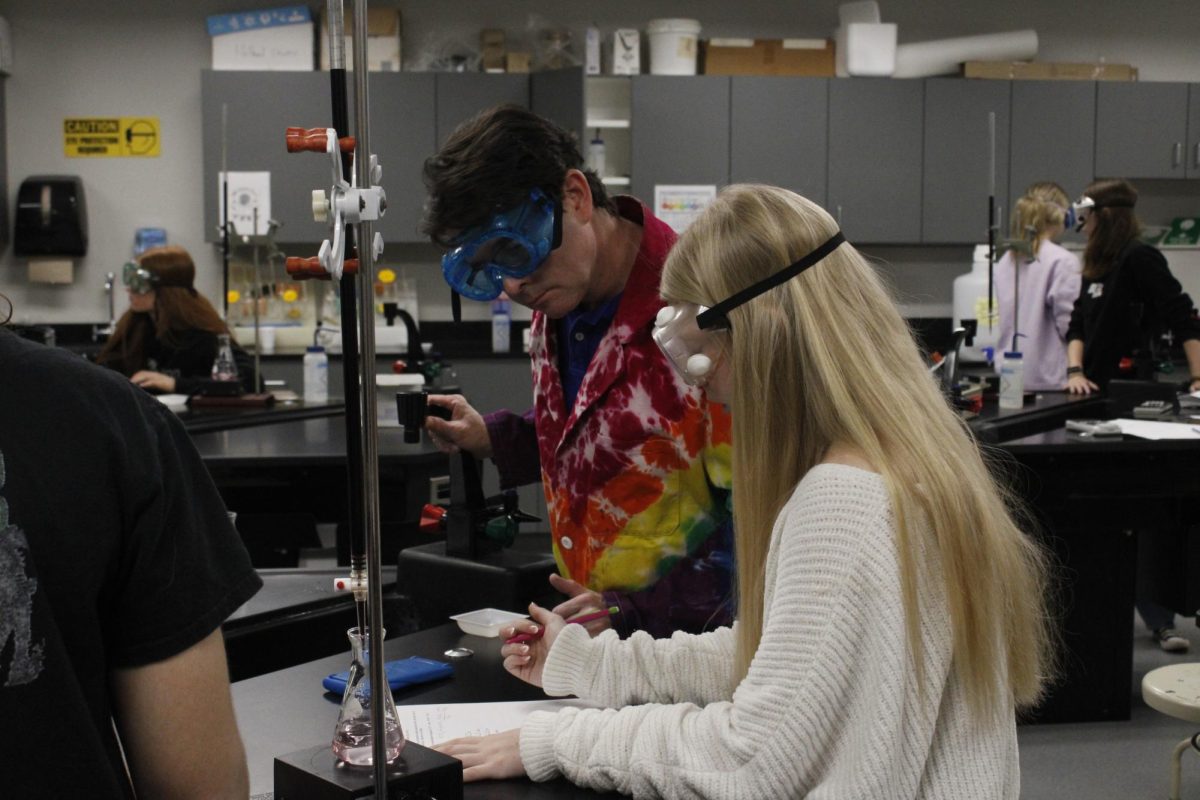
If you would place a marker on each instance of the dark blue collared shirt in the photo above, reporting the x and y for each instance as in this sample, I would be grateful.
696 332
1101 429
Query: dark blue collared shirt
579 335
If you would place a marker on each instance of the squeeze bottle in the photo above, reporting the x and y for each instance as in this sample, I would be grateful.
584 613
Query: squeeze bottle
316 375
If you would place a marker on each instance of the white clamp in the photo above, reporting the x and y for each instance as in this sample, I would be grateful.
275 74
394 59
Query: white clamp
346 204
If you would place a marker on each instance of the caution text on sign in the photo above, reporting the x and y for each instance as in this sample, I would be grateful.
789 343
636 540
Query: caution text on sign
111 137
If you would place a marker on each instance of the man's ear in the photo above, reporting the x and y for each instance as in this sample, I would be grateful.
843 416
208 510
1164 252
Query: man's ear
577 196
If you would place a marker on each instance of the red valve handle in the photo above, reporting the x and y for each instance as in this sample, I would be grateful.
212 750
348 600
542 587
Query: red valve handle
433 518
305 268
313 140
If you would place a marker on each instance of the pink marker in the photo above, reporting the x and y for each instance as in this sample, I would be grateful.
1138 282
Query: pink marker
521 638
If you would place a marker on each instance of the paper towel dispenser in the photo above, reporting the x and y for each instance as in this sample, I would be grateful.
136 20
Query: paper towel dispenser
51 217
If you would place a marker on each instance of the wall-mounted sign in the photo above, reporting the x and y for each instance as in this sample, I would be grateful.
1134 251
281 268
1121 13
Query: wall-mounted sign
109 137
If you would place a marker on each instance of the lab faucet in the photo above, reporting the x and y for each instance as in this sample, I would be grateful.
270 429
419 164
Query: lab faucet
964 333
98 331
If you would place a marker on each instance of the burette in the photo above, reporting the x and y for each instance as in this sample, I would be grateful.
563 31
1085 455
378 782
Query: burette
354 201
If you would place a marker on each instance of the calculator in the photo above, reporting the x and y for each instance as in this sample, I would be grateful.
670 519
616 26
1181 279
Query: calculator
1153 409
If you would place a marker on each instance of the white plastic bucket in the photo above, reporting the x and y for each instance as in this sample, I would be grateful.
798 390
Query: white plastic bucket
673 44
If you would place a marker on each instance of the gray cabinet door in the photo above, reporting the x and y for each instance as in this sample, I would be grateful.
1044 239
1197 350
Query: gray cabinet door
875 158
779 133
680 132
260 105
402 136
958 175
1193 146
462 95
1141 129
1053 135
557 95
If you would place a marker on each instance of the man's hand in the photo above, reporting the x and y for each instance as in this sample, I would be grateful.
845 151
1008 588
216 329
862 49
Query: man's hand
465 430
582 601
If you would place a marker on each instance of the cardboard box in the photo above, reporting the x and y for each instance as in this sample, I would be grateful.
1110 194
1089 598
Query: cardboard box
591 58
271 39
383 39
809 57
1048 71
491 50
517 62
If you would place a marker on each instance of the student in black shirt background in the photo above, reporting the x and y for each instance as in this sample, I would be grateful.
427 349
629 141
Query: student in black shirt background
167 340
1128 298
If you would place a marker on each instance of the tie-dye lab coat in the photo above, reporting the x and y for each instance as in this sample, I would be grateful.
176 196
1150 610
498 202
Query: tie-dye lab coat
636 474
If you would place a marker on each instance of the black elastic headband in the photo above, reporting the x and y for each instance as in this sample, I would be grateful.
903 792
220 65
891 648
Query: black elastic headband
715 317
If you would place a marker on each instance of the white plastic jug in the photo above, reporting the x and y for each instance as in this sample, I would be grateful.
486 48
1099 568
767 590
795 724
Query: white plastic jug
673 46
971 302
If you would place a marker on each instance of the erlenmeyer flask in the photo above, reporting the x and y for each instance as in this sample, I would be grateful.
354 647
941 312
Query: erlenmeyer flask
352 738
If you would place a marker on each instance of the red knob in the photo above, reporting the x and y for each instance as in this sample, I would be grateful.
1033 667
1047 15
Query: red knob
305 268
433 518
313 140
399 366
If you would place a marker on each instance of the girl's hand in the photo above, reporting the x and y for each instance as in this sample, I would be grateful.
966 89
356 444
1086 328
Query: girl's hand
494 757
1079 384
526 659
153 380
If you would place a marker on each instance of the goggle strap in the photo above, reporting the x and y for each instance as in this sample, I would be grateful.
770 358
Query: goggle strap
715 316
558 219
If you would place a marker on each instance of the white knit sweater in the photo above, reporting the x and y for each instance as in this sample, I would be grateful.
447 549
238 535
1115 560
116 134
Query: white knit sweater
830 707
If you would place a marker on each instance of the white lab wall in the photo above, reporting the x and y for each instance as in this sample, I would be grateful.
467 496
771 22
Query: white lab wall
143 57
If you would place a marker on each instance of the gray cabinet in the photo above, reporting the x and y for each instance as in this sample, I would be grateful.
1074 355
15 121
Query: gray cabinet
411 113
875 158
779 133
680 132
1141 129
402 136
462 95
957 174
4 219
558 95
260 105
1053 135
1193 145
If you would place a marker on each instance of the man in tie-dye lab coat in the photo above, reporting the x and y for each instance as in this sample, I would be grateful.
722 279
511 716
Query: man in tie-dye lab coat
634 462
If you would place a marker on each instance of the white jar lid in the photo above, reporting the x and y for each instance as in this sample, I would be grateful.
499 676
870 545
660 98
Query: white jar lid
403 379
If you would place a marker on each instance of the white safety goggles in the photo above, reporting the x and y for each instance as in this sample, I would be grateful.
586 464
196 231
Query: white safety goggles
689 333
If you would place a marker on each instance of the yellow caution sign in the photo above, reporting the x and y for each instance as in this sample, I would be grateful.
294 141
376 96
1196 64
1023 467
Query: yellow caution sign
111 137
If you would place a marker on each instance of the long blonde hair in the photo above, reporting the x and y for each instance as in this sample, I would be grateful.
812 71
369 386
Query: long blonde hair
1043 208
824 358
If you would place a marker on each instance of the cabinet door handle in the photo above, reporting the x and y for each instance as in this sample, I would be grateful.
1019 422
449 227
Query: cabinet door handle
839 209
1177 154
1196 156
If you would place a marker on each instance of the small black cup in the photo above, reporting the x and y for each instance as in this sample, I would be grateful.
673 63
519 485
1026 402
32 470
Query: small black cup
411 408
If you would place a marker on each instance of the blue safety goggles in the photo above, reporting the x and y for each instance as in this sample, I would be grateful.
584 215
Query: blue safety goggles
512 244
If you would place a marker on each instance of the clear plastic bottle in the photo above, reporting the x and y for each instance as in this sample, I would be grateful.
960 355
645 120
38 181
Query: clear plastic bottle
596 155
1012 381
224 367
353 736
316 375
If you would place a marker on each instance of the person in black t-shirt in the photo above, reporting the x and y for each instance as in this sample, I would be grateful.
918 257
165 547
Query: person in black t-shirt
167 340
118 565
1127 299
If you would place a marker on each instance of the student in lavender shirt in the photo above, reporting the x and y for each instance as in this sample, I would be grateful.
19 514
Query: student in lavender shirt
1048 285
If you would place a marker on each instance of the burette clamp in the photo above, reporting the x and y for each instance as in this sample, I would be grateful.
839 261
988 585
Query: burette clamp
345 203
